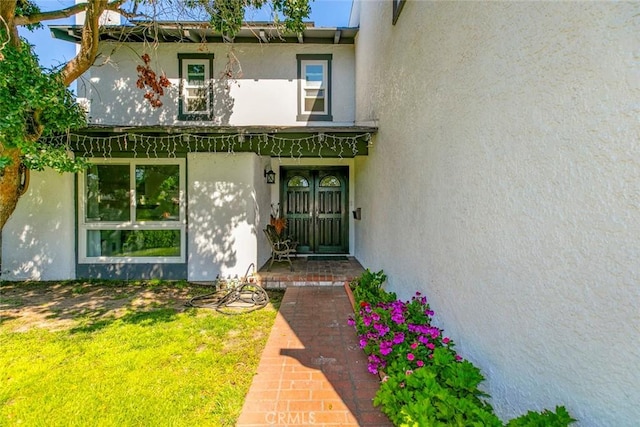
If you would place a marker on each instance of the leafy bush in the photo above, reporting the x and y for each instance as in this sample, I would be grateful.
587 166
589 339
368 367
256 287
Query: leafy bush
368 288
424 381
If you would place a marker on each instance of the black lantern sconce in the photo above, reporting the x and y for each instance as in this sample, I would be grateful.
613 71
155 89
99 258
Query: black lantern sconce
270 175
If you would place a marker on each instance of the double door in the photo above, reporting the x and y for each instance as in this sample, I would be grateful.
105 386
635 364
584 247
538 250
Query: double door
314 202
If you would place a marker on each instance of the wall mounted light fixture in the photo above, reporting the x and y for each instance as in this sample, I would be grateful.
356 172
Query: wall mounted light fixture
270 175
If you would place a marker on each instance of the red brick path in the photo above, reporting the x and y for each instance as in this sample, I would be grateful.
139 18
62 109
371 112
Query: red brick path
312 371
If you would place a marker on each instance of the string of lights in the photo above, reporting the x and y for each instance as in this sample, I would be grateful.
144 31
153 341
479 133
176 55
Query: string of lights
264 144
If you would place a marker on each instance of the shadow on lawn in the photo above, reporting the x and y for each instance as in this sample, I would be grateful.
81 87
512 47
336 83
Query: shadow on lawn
87 306
142 318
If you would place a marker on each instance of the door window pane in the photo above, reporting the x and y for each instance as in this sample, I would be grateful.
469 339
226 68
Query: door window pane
157 192
108 193
298 181
133 243
330 181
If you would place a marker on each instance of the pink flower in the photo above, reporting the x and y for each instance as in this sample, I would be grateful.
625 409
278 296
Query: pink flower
410 356
414 345
351 322
430 346
446 340
420 363
408 372
458 357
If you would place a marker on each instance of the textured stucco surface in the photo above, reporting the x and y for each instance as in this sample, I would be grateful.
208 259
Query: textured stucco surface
505 184
228 207
264 92
38 241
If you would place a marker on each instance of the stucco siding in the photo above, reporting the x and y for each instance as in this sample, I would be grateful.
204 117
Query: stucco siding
38 241
503 183
226 202
264 91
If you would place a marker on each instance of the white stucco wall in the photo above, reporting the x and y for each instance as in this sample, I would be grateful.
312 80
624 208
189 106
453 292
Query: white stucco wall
264 94
228 204
505 184
38 241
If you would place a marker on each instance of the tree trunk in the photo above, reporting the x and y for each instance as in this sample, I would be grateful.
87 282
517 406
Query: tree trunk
9 185
89 43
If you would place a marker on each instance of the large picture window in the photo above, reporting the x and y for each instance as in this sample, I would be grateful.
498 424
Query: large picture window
132 210
196 93
314 88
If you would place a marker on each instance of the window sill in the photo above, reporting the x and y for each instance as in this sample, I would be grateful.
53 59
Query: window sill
194 117
314 118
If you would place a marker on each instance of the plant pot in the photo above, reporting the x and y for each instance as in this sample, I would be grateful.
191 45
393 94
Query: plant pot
349 292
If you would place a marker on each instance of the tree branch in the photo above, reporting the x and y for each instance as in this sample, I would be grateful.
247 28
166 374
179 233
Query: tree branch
53 14
8 15
88 44
63 13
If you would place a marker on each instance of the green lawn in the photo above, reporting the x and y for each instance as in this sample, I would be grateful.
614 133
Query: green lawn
88 354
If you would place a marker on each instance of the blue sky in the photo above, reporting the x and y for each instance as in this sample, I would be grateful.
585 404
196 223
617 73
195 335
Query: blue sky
51 52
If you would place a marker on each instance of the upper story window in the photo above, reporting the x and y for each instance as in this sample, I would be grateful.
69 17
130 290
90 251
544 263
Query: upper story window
314 87
132 210
196 92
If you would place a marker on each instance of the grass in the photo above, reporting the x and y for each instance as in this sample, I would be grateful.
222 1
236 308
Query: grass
157 364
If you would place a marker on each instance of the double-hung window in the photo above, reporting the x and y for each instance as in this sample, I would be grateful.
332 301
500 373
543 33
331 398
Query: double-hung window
132 211
196 92
314 88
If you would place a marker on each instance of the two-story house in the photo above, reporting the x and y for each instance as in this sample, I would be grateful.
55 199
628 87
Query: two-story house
502 182
260 127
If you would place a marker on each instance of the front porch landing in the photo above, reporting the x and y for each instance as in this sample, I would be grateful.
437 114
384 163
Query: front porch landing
308 272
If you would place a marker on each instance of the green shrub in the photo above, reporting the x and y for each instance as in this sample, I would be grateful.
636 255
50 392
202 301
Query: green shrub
425 382
368 287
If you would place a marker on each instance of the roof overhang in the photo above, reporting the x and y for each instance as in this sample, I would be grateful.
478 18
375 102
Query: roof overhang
273 141
201 32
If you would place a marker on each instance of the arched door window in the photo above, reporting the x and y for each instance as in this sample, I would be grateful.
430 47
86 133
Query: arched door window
330 181
298 181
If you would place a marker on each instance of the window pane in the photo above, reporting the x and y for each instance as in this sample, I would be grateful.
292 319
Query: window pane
298 181
196 103
196 74
108 193
314 104
157 193
330 181
314 73
133 243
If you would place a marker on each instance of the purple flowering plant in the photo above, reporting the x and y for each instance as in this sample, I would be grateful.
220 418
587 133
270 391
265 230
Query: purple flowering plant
425 381
398 336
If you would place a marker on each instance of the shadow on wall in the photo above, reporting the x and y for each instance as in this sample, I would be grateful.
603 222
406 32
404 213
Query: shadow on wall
125 104
36 245
222 229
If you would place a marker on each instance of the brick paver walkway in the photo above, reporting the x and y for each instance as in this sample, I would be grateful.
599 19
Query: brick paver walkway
312 371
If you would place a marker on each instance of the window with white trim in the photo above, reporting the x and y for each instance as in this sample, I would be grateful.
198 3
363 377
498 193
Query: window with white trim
133 211
196 95
314 87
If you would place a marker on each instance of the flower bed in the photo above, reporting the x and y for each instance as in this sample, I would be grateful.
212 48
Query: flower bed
424 381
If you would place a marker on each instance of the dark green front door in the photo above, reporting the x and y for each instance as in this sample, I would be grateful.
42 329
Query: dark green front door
314 202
